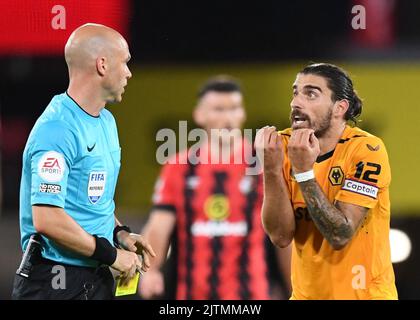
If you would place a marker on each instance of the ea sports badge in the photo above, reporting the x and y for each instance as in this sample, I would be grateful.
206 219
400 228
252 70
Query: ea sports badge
96 185
51 166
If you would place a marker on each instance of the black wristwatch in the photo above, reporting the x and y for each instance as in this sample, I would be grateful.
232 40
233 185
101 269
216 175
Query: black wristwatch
118 229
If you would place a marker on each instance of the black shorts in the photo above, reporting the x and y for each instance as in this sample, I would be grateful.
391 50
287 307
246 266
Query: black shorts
78 283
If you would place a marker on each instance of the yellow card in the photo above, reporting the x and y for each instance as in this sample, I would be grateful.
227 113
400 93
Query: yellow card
129 288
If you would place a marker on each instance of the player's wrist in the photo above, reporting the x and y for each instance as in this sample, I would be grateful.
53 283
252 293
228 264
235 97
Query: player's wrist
304 176
104 252
274 172
154 270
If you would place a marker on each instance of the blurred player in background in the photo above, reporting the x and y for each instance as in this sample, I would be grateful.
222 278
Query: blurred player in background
70 168
215 211
326 187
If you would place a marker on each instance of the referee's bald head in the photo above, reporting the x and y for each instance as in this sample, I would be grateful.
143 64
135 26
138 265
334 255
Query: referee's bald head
89 42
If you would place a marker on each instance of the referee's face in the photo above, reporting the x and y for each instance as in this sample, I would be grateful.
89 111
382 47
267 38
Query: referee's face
119 73
311 106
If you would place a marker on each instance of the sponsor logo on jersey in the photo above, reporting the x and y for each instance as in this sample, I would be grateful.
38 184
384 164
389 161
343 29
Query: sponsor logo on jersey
49 188
51 166
193 182
360 188
216 207
219 228
373 148
245 185
96 185
89 149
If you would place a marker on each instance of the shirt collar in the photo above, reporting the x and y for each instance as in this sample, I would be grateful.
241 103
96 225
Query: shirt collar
74 106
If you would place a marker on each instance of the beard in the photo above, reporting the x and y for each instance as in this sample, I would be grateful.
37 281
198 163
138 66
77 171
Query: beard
324 124
305 122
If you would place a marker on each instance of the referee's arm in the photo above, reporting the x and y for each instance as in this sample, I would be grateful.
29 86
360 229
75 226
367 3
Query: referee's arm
54 223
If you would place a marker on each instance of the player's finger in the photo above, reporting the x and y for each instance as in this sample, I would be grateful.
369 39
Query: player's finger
310 137
267 135
304 137
259 137
279 140
262 140
273 138
294 137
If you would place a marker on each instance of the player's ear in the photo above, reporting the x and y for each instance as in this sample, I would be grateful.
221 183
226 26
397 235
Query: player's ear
341 107
101 66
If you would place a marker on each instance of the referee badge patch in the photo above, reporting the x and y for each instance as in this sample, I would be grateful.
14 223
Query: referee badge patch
96 185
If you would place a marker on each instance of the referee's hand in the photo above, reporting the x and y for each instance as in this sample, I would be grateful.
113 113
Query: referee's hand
127 263
137 243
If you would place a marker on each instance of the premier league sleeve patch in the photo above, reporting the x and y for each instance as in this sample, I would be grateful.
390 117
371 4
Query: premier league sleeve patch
96 185
51 166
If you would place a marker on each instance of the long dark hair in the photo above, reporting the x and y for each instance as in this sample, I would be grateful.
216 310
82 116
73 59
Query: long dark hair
340 84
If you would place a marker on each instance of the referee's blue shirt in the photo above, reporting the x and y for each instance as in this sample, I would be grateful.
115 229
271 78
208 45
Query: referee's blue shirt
71 160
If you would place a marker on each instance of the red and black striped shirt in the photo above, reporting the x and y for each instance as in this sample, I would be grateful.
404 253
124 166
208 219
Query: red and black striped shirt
220 239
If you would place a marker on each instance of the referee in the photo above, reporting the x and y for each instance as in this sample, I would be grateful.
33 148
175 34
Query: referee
71 163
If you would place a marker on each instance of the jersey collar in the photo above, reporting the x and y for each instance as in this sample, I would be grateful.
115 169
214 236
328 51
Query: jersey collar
73 105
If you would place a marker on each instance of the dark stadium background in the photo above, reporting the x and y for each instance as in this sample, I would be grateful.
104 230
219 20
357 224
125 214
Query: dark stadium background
175 45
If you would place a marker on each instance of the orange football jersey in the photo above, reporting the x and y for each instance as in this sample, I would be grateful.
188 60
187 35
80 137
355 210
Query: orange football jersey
357 171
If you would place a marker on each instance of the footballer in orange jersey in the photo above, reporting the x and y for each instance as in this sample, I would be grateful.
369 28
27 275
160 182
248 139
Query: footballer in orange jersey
326 188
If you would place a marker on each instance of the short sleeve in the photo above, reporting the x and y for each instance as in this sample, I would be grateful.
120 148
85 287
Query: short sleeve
165 192
368 174
51 156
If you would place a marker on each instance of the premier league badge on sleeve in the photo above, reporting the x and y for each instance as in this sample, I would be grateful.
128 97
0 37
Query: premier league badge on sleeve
96 185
